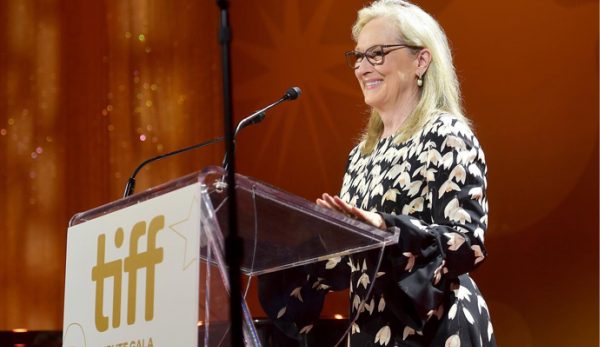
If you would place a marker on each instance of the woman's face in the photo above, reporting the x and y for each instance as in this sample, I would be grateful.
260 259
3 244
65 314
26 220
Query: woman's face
388 85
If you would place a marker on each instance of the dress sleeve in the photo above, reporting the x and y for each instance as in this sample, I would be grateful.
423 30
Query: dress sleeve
293 298
443 238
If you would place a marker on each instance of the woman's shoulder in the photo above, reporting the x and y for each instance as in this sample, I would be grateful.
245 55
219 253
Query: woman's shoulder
445 127
355 152
358 147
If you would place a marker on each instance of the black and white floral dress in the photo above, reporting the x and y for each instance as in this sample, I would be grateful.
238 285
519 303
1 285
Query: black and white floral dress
433 188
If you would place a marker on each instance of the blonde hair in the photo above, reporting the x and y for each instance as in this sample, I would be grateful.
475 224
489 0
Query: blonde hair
440 92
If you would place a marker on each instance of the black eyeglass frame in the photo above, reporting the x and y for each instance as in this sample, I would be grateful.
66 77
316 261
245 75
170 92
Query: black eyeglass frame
354 58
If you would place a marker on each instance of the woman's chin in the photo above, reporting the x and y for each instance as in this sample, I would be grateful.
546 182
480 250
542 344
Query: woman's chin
373 102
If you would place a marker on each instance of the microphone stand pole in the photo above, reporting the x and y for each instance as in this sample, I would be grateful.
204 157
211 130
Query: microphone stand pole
233 243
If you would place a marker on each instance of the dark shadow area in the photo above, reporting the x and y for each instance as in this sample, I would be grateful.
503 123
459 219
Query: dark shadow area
324 334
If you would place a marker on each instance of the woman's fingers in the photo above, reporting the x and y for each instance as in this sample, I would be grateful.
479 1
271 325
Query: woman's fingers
324 203
331 201
372 218
335 203
345 207
327 201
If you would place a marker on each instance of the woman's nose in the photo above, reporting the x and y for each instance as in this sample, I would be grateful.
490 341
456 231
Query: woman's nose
363 67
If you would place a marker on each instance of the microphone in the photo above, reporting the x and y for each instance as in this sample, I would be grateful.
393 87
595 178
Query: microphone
258 116
131 182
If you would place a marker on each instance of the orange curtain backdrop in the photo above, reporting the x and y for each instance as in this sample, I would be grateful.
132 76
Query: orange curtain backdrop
529 74
89 90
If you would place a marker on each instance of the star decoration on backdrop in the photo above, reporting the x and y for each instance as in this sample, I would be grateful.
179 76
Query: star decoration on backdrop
302 56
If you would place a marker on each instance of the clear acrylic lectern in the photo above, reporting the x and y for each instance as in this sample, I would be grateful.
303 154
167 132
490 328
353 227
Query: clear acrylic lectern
280 231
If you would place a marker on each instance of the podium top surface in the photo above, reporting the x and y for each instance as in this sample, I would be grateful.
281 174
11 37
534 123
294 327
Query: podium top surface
280 230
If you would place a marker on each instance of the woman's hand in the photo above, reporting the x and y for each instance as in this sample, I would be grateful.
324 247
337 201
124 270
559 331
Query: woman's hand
337 204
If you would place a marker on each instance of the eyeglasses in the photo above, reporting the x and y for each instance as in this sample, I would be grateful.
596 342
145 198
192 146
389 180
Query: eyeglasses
375 55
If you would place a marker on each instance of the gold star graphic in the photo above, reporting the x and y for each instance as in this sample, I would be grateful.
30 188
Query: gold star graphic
189 230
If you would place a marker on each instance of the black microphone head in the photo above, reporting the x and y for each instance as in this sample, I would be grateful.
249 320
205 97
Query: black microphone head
292 93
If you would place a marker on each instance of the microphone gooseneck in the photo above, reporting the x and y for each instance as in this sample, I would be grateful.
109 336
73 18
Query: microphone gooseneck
258 116
129 188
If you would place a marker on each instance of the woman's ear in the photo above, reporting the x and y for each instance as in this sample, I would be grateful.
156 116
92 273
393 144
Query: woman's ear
423 60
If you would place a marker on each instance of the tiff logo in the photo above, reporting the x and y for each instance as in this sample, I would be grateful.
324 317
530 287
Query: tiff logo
135 261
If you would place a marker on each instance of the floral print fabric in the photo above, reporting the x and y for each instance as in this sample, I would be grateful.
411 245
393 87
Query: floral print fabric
433 188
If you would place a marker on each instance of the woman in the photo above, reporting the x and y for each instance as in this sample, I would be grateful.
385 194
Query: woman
420 168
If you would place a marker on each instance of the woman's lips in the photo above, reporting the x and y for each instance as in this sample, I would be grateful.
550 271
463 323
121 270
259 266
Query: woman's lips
372 84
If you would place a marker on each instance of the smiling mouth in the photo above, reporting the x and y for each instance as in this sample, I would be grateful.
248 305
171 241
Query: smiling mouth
372 84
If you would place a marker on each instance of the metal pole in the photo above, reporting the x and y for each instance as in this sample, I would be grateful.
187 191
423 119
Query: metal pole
233 243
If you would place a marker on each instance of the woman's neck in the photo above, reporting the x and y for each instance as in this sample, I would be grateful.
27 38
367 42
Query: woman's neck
395 116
